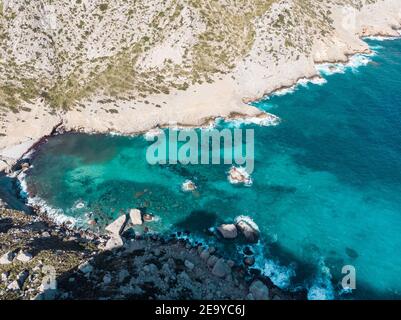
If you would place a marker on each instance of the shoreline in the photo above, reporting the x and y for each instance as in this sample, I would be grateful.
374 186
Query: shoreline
233 116
200 261
200 104
211 122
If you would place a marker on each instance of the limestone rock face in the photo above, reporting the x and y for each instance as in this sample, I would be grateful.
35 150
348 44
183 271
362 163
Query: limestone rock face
136 217
228 231
259 291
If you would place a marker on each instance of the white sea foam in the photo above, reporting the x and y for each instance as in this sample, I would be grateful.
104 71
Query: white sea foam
22 183
280 275
283 92
57 215
353 64
267 121
318 80
152 134
383 38
248 220
315 80
322 287
79 205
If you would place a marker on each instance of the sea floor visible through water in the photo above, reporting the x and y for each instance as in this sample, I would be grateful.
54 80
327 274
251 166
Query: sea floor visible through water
326 185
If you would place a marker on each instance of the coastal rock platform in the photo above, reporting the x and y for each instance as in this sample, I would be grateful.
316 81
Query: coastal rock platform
150 267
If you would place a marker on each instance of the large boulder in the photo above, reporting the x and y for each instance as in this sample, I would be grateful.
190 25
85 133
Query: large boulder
116 227
249 229
221 268
136 217
228 231
259 290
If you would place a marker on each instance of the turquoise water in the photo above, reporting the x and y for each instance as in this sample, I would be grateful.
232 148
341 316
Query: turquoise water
326 186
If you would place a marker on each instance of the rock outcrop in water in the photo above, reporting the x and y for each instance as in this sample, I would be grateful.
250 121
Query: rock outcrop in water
228 231
248 229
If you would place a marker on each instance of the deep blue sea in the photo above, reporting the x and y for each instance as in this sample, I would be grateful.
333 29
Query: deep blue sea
326 187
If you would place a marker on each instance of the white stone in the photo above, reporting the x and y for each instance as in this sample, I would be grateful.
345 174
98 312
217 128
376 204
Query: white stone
4 277
117 225
24 256
114 242
7 258
14 286
136 217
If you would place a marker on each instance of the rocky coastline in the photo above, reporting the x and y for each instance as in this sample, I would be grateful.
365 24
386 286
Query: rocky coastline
34 251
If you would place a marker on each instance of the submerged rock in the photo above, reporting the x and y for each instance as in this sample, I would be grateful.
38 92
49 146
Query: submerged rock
148 217
249 261
136 217
228 231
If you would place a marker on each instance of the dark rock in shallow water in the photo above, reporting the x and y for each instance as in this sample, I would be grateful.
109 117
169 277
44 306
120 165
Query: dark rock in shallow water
247 251
351 253
255 272
249 261
249 230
